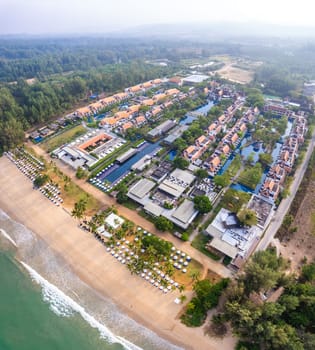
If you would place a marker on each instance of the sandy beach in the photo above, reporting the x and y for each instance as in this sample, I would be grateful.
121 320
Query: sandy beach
89 260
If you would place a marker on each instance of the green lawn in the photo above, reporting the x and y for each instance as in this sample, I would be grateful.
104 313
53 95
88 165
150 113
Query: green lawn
234 166
233 200
199 243
64 137
250 176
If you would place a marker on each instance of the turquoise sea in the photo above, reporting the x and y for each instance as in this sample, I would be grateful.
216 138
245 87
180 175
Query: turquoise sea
44 306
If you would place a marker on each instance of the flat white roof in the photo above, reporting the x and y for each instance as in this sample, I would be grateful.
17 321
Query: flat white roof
141 188
153 208
171 188
183 175
196 78
185 212
114 220
224 247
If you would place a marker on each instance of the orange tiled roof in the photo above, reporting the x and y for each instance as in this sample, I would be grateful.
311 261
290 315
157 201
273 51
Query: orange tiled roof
135 88
201 139
156 110
127 125
96 105
83 110
108 100
140 119
243 127
147 84
215 161
222 118
190 149
109 121
172 91
148 102
226 149
120 95
212 126
234 138
218 129
134 108
159 97
94 140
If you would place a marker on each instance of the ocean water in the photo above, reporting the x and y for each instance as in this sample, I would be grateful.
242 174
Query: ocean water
43 305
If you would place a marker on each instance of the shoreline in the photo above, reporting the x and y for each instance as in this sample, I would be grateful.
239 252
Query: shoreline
88 259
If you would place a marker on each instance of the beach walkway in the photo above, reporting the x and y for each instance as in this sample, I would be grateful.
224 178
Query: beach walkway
90 261
133 216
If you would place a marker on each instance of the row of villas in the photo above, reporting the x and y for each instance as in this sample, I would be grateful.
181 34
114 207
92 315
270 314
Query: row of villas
97 106
202 143
277 108
285 162
131 117
229 142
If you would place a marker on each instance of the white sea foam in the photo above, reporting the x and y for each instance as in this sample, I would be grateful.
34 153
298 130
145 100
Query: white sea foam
4 215
63 305
8 237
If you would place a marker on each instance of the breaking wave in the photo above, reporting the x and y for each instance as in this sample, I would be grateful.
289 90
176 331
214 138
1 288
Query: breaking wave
8 237
63 305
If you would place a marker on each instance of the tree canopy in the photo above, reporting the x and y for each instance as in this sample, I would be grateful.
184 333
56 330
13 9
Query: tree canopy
202 204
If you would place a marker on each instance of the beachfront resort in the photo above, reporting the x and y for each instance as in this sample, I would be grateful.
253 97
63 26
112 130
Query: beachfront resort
160 166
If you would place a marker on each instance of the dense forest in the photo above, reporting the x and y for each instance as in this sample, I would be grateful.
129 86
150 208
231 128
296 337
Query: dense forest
269 308
67 69
39 57
23 105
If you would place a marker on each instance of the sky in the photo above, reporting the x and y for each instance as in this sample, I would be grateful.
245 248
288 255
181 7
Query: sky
98 16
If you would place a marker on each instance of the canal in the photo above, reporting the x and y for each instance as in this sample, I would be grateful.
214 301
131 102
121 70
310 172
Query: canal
120 170
251 149
203 110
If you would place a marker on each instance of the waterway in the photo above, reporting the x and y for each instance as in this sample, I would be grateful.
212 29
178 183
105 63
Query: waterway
188 119
246 151
121 170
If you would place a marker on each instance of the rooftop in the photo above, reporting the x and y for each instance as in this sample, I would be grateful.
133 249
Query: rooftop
185 211
195 78
114 220
141 189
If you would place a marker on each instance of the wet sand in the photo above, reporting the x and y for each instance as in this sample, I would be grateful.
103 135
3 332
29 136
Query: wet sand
89 260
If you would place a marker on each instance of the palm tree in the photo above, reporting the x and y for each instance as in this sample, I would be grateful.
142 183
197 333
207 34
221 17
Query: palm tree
79 209
181 288
169 269
195 275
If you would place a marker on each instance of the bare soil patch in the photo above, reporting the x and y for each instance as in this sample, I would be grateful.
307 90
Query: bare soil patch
298 245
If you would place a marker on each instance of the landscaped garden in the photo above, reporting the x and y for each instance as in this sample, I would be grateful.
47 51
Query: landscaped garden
152 258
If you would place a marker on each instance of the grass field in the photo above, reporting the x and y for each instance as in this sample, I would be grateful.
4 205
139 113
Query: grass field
71 193
233 200
185 278
64 137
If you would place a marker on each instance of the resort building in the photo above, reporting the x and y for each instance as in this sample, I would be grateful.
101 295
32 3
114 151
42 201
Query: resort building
183 215
285 161
88 149
194 79
161 129
177 182
140 192
230 239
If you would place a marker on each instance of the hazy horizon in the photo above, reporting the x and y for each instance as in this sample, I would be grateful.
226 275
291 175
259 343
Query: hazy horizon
97 16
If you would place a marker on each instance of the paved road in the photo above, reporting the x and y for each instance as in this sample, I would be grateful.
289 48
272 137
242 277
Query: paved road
285 203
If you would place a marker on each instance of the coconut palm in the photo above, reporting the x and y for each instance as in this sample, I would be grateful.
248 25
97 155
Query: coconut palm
79 209
195 275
